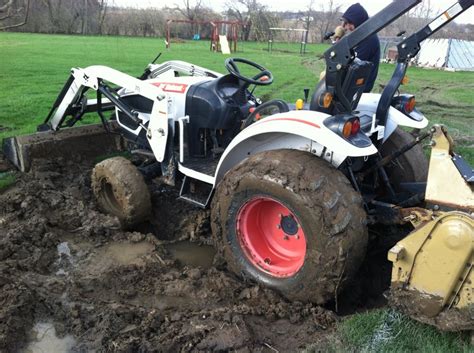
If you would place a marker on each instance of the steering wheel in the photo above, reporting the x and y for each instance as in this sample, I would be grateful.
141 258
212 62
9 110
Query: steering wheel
263 78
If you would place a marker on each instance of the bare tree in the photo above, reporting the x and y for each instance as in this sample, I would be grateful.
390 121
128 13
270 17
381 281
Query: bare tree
189 11
326 17
423 11
71 16
194 12
14 13
238 10
102 14
54 10
256 17
308 18
412 20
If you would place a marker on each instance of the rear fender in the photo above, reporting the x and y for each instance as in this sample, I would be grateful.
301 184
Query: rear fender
368 106
396 118
300 130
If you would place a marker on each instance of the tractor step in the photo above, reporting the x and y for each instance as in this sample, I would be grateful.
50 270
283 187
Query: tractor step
196 192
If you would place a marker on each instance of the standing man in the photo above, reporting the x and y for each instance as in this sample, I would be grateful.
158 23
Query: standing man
369 49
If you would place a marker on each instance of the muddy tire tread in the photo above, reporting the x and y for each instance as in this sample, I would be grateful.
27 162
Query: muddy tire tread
129 187
344 220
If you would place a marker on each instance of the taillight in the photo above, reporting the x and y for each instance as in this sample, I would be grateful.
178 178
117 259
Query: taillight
355 126
345 125
404 103
351 127
347 129
410 105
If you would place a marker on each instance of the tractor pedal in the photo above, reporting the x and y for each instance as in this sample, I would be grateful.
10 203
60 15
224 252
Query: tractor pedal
196 192
217 151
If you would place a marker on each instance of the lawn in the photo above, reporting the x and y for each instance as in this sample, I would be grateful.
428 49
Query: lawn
34 67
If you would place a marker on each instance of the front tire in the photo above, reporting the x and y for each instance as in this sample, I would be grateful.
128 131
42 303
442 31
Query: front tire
120 190
292 222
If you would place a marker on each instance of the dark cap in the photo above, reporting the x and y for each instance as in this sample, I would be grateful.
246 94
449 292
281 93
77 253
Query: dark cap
355 14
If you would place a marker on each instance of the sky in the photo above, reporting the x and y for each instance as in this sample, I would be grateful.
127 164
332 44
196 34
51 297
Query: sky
371 6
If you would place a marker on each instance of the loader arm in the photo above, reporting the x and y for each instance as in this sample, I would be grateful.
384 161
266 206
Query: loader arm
96 78
100 79
71 100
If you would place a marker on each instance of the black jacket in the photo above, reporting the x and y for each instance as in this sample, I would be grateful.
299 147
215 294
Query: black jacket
369 49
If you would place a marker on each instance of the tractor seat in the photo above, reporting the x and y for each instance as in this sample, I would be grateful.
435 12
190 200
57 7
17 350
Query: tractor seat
352 87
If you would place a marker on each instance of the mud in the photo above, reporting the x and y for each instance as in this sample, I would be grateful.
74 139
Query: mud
429 310
4 164
71 278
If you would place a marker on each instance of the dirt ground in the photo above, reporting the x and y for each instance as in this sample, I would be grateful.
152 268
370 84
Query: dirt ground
71 280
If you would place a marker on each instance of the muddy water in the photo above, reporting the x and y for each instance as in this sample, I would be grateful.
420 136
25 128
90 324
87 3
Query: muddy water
126 254
192 254
117 254
64 264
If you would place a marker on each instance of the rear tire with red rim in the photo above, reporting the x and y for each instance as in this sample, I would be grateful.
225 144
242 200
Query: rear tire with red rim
292 222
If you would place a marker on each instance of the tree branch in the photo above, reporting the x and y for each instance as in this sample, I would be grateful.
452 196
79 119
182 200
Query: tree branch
27 11
7 6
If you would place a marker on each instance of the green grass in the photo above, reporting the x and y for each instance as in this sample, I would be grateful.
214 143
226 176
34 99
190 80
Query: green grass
6 179
385 330
34 67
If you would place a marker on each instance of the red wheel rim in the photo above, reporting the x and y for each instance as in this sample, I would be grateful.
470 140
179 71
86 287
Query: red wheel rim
271 236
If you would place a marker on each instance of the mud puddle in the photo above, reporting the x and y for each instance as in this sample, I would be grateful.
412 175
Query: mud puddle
192 254
44 340
64 264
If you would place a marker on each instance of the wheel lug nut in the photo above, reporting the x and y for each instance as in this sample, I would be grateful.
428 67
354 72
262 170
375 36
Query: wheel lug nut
278 226
285 237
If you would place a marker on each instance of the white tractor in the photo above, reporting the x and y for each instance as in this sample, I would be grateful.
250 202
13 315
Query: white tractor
291 187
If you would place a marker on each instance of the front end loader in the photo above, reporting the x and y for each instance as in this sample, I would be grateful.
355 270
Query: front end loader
432 275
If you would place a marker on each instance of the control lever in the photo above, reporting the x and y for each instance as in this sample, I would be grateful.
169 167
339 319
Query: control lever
306 94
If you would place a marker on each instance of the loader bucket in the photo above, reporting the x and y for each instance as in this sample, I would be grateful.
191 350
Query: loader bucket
77 143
